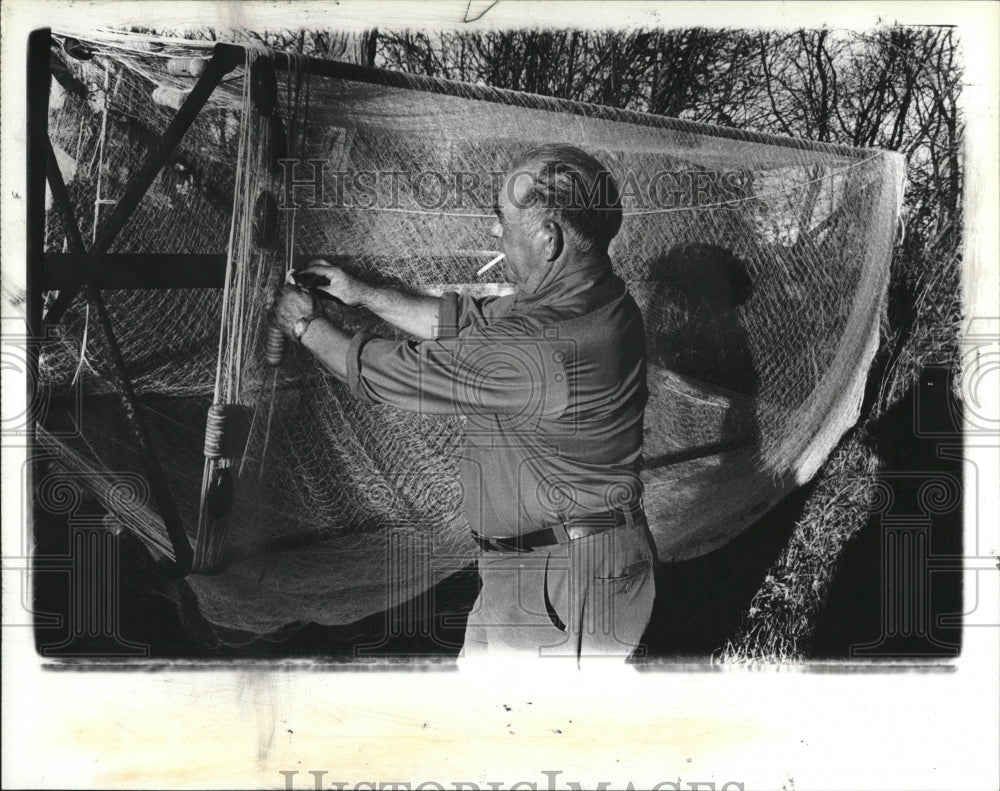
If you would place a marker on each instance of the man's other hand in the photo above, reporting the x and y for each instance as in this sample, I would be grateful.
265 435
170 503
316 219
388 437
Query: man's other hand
292 304
417 314
339 284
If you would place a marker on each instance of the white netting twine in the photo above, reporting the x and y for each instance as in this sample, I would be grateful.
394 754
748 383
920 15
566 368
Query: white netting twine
760 265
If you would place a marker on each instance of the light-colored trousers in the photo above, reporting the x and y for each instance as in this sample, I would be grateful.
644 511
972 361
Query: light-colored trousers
589 598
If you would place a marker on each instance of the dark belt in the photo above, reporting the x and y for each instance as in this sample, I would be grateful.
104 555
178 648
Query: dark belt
563 533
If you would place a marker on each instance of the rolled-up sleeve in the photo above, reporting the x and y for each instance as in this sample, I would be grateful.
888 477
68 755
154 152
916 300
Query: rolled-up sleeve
464 375
460 312
448 315
354 365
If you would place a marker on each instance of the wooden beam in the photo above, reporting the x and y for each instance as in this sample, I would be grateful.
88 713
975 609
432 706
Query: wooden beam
62 271
37 152
36 156
354 72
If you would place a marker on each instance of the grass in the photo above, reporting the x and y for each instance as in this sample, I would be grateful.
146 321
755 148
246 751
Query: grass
782 614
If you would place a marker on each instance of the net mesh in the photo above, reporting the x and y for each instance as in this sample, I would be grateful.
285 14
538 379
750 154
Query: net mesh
760 265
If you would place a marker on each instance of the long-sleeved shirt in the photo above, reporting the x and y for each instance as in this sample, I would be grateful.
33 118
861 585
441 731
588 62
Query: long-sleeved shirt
553 386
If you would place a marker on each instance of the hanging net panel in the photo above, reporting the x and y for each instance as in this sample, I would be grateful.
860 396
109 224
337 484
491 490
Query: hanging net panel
760 264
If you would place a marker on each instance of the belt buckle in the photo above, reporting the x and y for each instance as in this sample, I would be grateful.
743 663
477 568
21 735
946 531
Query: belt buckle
591 524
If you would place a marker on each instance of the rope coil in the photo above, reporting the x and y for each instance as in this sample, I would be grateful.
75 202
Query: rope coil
221 418
274 348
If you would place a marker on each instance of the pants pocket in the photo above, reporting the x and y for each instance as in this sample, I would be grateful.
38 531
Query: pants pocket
623 581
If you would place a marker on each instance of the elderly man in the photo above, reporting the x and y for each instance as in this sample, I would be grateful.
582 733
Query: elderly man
552 381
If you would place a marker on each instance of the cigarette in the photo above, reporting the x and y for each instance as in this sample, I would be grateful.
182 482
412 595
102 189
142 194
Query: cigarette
487 267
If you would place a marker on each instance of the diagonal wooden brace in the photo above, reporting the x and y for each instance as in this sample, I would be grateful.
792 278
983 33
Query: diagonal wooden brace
183 555
224 60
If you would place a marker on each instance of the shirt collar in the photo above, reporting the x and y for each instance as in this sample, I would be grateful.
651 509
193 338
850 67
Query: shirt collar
577 285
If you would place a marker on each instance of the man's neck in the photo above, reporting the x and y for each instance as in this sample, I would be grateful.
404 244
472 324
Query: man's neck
571 275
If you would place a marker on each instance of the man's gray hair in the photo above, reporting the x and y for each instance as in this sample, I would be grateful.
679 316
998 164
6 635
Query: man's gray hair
571 186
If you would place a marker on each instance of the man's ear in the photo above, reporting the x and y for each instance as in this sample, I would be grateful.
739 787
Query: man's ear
549 240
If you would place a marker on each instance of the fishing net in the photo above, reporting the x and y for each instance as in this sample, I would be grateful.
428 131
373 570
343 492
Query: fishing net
760 264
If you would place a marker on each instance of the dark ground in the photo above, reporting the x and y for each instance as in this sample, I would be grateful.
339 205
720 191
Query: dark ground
699 602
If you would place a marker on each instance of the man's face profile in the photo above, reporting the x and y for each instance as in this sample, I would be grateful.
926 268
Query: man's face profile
516 228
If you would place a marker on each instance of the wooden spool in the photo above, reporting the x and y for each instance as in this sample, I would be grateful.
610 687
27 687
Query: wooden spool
274 347
220 416
263 86
186 67
169 97
265 220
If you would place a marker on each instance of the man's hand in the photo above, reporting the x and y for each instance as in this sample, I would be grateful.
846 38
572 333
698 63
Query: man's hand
327 343
339 284
413 313
292 304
